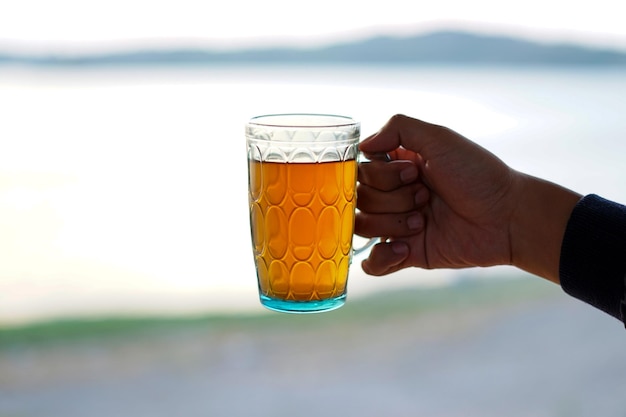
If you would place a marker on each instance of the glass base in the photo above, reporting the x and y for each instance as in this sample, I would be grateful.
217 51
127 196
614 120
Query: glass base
303 307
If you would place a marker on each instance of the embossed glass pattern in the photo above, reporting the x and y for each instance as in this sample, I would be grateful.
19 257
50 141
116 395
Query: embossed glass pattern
302 175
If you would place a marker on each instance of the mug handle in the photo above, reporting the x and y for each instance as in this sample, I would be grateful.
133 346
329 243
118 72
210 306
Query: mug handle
372 241
366 246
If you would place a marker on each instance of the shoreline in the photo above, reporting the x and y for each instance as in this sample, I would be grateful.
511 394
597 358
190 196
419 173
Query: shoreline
462 294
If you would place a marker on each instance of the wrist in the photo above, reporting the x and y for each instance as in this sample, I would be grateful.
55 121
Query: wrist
538 225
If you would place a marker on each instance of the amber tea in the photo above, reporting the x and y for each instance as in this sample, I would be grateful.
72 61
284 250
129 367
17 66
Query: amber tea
302 220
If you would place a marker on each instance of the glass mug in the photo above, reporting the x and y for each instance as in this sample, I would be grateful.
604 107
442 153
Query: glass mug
302 172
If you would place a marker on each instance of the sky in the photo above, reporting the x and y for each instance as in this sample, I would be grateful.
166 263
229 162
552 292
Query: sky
78 26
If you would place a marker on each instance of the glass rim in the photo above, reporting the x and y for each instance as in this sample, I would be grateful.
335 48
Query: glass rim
281 120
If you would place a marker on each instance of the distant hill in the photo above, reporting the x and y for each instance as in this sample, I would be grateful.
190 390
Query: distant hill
456 48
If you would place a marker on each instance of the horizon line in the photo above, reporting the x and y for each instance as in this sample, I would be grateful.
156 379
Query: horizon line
102 48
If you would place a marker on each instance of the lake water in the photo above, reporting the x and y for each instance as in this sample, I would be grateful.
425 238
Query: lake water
124 190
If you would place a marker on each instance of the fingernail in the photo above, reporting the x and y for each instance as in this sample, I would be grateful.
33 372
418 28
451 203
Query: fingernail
421 196
409 174
399 248
415 222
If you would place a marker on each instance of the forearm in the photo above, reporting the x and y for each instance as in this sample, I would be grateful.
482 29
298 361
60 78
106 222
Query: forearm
538 225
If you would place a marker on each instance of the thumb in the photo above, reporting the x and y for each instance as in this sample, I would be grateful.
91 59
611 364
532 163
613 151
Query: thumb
399 131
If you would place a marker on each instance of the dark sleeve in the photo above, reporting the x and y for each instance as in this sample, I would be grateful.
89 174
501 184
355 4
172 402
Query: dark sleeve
593 254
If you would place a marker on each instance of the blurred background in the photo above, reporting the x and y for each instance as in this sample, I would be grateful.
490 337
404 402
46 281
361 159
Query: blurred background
127 284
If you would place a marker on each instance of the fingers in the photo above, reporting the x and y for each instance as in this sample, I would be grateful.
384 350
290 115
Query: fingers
387 176
392 193
385 258
394 224
403 199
